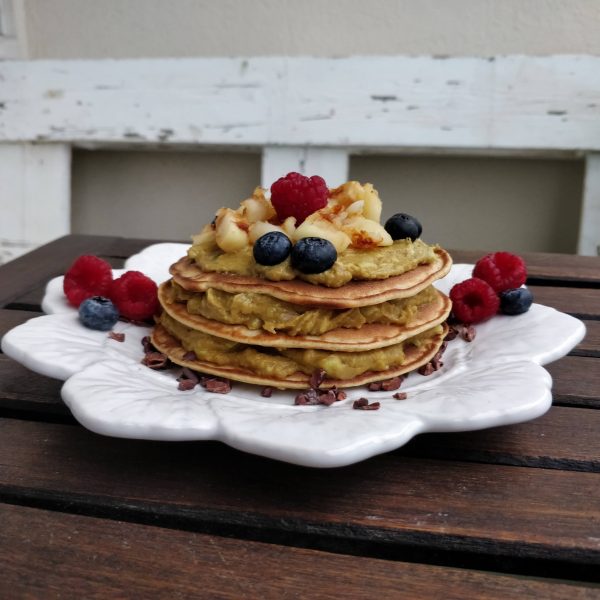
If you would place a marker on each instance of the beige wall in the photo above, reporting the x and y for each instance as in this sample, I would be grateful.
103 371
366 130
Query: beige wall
474 203
145 28
481 203
163 195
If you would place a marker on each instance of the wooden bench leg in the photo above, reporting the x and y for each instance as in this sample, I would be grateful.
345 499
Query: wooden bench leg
35 196
589 229
329 163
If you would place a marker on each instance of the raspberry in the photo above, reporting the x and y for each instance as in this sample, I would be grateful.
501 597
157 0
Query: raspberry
473 301
88 276
502 270
135 295
298 196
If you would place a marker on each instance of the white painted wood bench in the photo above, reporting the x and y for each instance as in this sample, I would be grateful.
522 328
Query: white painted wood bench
305 114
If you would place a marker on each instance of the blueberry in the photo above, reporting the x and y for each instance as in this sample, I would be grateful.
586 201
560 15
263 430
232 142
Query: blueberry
401 226
313 255
272 248
515 302
98 313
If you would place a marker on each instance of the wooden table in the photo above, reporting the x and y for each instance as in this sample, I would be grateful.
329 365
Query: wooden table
503 513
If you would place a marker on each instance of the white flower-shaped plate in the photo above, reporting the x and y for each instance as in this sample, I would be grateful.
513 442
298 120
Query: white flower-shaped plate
495 380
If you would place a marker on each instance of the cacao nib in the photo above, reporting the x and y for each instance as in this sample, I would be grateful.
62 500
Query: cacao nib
452 333
187 384
190 356
426 369
400 395
301 399
189 374
374 386
340 394
217 385
468 333
267 392
118 337
327 398
155 360
147 344
316 379
391 384
363 404
360 403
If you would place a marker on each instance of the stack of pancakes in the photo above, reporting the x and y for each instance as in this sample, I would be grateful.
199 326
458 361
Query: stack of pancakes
360 332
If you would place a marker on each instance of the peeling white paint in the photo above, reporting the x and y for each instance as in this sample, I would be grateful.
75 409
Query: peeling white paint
511 102
307 114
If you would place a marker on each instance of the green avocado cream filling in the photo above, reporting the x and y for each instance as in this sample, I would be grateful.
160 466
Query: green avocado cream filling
260 311
353 263
282 363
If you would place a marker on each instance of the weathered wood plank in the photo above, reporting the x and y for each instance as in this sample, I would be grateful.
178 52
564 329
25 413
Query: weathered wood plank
500 511
546 442
548 266
590 345
37 267
101 558
29 172
12 318
25 393
509 102
330 163
589 228
576 381
583 303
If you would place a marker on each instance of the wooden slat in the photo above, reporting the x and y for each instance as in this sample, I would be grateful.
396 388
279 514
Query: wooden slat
539 514
545 442
545 265
589 227
576 381
26 392
105 559
36 268
583 303
517 103
12 318
590 345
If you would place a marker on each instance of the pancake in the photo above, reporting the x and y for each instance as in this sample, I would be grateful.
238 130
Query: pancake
414 358
367 337
354 294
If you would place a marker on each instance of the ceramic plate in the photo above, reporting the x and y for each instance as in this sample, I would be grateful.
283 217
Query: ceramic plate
495 380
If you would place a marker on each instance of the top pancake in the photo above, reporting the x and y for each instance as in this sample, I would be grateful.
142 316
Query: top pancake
354 294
